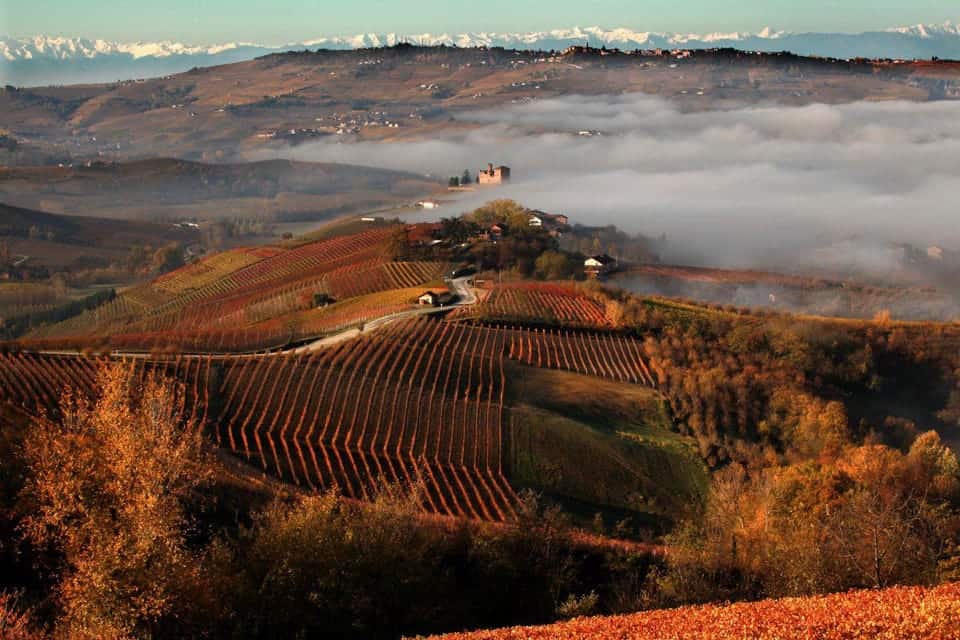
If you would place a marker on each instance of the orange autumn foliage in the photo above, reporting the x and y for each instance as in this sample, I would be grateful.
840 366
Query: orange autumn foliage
902 613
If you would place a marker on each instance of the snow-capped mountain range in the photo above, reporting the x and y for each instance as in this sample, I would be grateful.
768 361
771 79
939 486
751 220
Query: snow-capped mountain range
56 59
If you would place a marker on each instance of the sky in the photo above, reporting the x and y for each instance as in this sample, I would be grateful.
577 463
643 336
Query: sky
284 21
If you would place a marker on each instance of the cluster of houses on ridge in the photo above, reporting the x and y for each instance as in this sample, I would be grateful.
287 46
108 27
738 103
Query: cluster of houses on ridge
554 224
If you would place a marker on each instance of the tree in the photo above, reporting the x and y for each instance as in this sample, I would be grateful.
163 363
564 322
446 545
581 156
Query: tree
454 181
554 265
466 178
457 229
107 484
137 258
321 566
168 258
869 516
15 624
502 211
399 245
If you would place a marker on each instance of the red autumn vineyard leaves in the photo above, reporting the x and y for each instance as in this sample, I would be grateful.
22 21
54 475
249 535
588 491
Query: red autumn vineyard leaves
422 401
198 294
900 613
419 401
542 302
221 304
603 355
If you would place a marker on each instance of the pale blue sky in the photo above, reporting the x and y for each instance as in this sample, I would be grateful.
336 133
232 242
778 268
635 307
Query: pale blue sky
281 21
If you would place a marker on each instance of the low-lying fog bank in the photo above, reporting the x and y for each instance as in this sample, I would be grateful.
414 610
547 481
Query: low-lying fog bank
823 186
836 299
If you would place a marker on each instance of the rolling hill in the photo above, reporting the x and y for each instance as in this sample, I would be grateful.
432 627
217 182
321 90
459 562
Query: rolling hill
107 233
605 402
172 190
67 241
243 109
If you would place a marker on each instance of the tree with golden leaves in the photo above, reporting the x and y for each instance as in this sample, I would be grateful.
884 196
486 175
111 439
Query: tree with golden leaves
107 481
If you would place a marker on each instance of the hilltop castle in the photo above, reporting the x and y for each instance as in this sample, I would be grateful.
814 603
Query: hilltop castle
493 175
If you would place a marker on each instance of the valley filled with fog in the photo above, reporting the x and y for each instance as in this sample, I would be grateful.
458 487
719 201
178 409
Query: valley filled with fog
825 187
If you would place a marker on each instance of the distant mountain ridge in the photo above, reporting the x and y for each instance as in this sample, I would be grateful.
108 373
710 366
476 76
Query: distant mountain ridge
58 60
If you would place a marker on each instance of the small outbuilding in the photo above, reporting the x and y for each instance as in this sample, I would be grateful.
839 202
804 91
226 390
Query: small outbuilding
599 265
435 299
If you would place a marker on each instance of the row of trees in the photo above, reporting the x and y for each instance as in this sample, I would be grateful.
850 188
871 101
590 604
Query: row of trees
738 381
463 180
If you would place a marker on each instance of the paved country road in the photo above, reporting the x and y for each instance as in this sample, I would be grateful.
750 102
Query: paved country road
460 286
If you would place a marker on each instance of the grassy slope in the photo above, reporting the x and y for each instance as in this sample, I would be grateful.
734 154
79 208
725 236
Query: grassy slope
596 443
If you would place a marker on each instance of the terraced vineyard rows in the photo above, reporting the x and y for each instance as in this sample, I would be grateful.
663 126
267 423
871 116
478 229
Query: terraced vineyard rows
419 401
36 383
605 355
208 270
163 310
239 337
542 302
350 281
378 275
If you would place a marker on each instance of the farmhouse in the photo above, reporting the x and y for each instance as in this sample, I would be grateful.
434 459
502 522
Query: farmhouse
543 220
599 265
434 299
493 175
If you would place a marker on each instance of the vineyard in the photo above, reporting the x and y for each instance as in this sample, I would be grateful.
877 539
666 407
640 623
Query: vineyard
21 298
36 383
605 355
542 303
420 401
902 613
191 296
278 331
250 299
208 270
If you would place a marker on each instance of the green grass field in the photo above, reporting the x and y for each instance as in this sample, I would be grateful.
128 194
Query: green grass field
602 446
